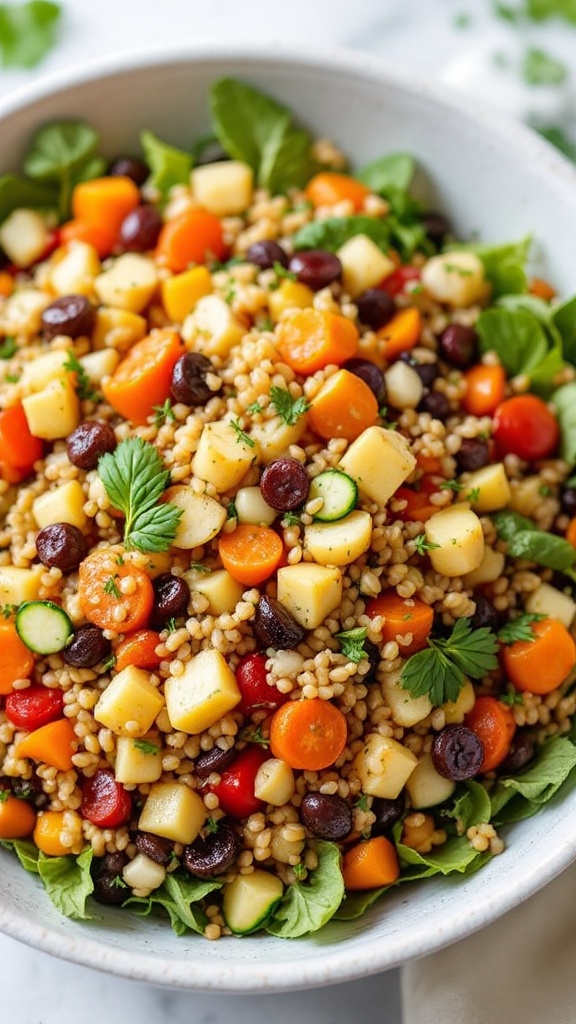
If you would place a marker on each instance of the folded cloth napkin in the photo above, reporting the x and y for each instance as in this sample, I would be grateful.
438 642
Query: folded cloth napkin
519 970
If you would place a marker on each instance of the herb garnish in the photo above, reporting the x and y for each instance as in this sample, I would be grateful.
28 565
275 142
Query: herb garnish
241 435
352 643
423 545
28 32
111 588
146 746
231 510
440 671
519 629
8 347
84 388
288 408
254 408
134 478
163 413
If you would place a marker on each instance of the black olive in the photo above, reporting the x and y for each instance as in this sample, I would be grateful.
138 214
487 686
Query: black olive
458 345
368 372
315 268
473 454
30 790
71 315
326 815
214 760
520 754
457 752
372 652
387 812
87 648
485 614
107 877
189 379
171 597
128 167
266 253
156 848
275 626
62 546
214 853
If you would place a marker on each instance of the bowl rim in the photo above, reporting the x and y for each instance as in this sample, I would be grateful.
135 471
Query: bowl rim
336 964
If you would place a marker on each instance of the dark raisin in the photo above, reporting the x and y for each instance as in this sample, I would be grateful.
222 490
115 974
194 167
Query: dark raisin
86 444
568 501
368 372
457 752
189 375
520 754
284 484
30 790
214 760
387 813
115 862
110 890
375 307
156 848
61 546
458 345
437 227
275 626
140 229
426 371
315 268
485 614
71 315
128 167
266 253
326 815
171 597
372 652
87 648
473 454
436 404
214 853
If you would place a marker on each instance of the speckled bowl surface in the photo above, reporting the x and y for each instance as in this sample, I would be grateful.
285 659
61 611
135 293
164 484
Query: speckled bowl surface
495 180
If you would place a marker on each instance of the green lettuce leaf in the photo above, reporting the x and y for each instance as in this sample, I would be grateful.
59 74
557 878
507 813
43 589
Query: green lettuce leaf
472 805
456 855
522 795
394 171
68 882
307 906
178 896
330 234
168 165
504 264
28 31
27 853
564 401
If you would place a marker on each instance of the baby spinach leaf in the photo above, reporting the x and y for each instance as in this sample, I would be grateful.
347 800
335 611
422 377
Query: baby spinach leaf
564 401
394 171
168 165
68 882
16 192
522 795
557 137
455 855
515 335
177 896
472 806
508 523
63 153
541 68
356 904
330 234
28 32
564 319
542 9
526 541
307 906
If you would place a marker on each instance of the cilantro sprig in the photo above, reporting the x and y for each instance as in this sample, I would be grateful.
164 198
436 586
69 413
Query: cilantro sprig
84 388
519 629
352 643
440 671
288 408
135 479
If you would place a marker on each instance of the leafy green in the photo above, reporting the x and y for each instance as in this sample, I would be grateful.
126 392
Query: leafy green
521 796
508 523
27 853
542 9
352 643
68 882
563 317
168 165
84 388
472 806
541 68
394 171
557 137
135 479
331 234
524 336
8 348
28 32
307 906
564 401
179 896
455 855
16 192
440 670
526 541
62 154
253 127
519 629
504 264
288 408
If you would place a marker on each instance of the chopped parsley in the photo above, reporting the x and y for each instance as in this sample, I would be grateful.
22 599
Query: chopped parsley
519 629
163 413
8 348
84 389
111 587
422 544
288 408
146 746
440 670
241 436
254 408
352 643
231 510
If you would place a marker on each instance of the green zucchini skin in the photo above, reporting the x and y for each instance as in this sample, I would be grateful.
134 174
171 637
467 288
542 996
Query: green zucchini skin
340 494
43 626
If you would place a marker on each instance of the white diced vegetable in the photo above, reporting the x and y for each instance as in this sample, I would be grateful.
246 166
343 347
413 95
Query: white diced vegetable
309 591
379 461
22 312
363 264
404 387
526 495
406 709
548 600
384 766
340 542
143 873
43 369
251 507
487 489
97 365
117 328
202 516
274 437
224 188
456 540
129 284
490 569
205 691
23 236
53 412
223 455
212 328
137 761
173 811
426 787
455 710
18 585
456 278
274 782
129 699
65 504
74 269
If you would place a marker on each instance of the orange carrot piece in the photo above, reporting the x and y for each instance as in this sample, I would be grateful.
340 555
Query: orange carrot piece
429 464
47 833
6 284
344 407
99 236
102 597
310 339
330 187
18 447
541 289
308 734
250 553
493 723
142 379
571 532
52 744
17 818
484 389
541 665
401 333
401 617
105 201
370 864
194 236
16 661
139 649
417 509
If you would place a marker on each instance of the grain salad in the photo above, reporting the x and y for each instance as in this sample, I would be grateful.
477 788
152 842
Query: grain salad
288 528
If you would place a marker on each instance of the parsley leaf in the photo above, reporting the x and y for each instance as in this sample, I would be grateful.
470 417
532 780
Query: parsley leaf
146 746
27 32
288 408
422 544
440 670
84 389
519 629
163 413
352 643
111 588
8 347
241 435
135 479
62 154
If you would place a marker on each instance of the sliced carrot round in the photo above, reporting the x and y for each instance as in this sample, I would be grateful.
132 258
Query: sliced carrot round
194 236
401 617
250 553
308 734
310 339
139 649
142 380
114 596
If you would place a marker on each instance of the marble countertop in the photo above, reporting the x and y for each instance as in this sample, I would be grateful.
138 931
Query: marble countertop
468 45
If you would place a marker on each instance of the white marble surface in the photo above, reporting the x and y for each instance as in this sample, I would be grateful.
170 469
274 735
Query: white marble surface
461 41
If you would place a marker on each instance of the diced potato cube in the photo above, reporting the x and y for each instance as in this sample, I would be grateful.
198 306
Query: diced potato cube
379 461
220 588
456 540
526 495
173 811
456 278
143 873
74 269
18 585
487 489
490 569
455 710
53 412
65 504
158 562
98 365
274 437
363 264
21 313
212 328
23 236
202 516
309 591
129 284
205 691
289 295
340 542
181 292
274 782
251 507
43 369
129 698
426 787
384 766
548 600
224 189
406 709
223 457
137 761
117 328
404 387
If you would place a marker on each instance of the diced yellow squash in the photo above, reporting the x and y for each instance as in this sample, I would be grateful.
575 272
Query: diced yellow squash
379 461
548 600
363 264
65 504
136 760
100 364
222 591
205 691
173 811
490 569
74 269
406 709
289 295
274 782
340 542
143 873
129 698
18 585
384 766
223 457
212 328
274 437
181 292
455 710
43 369
202 516
456 278
456 540
309 591
129 284
487 489
23 236
224 188
117 328
251 507
53 412
426 787
526 495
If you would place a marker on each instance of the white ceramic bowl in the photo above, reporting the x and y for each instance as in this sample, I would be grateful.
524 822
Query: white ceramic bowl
494 179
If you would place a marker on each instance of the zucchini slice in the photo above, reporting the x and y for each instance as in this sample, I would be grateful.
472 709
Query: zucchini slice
43 626
340 494
250 899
